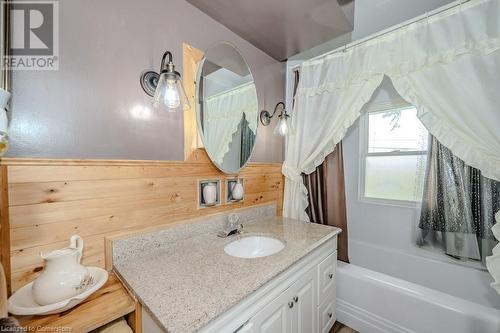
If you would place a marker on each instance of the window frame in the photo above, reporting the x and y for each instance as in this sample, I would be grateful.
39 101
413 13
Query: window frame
363 154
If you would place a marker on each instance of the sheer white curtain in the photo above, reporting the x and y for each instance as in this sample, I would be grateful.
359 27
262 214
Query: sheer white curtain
223 113
447 65
320 122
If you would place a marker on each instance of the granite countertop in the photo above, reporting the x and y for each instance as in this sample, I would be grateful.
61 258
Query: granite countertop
185 279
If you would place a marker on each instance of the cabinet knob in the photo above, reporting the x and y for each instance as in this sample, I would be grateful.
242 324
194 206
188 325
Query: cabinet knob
295 299
330 276
330 315
290 304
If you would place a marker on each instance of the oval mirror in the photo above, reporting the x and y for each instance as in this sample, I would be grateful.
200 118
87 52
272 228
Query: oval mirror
226 107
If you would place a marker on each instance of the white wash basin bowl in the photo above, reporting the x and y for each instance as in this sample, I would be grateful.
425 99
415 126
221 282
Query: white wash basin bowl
254 247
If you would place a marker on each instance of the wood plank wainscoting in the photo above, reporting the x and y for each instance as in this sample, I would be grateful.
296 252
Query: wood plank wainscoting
43 202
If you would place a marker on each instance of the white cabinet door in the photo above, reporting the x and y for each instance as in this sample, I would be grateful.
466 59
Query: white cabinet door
294 311
304 297
275 317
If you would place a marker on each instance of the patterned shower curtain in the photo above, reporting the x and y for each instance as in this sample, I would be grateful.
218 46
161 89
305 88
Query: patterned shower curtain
458 207
247 140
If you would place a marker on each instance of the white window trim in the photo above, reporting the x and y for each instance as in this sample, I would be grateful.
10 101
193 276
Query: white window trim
363 153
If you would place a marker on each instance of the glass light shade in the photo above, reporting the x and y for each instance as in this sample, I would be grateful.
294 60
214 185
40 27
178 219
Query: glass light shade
284 126
170 93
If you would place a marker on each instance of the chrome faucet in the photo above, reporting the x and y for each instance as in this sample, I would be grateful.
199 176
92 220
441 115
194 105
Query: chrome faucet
232 226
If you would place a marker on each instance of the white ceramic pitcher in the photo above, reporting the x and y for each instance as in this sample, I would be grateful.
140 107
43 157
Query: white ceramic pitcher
63 276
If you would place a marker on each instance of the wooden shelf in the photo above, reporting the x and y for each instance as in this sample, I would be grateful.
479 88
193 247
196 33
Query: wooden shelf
110 302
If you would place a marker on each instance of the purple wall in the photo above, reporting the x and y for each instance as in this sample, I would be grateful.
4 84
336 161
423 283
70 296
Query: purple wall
93 106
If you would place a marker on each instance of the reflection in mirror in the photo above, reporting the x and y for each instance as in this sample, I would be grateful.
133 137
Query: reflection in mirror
227 107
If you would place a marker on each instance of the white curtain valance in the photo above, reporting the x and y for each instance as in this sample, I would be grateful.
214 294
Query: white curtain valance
223 113
447 65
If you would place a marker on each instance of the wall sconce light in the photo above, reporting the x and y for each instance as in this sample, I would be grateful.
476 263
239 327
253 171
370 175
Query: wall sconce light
284 126
166 88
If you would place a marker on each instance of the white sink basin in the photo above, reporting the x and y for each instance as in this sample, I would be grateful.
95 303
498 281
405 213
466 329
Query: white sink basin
254 247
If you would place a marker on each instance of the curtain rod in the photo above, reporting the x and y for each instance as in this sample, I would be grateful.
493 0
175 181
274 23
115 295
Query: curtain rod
388 30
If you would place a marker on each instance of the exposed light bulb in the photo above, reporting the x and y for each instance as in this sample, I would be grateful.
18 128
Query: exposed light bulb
283 127
171 97
169 93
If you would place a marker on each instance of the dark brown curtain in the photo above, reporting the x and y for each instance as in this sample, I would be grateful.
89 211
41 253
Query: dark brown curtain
327 203
316 186
335 197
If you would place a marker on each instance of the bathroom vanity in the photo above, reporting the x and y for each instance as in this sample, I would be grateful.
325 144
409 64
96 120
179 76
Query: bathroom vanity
186 282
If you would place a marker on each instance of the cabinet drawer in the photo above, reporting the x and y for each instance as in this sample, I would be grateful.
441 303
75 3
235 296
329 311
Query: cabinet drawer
326 276
326 313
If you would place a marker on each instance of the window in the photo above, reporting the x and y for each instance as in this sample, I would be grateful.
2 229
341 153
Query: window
393 156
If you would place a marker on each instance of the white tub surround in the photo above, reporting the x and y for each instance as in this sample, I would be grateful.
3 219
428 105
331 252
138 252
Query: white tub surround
426 269
372 302
186 282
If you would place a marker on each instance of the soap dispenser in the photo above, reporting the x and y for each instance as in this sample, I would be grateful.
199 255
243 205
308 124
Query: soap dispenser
237 191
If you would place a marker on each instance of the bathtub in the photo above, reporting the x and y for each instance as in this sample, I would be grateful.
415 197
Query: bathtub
369 301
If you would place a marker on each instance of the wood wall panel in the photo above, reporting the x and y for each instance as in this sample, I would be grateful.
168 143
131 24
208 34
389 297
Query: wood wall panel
50 200
191 56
